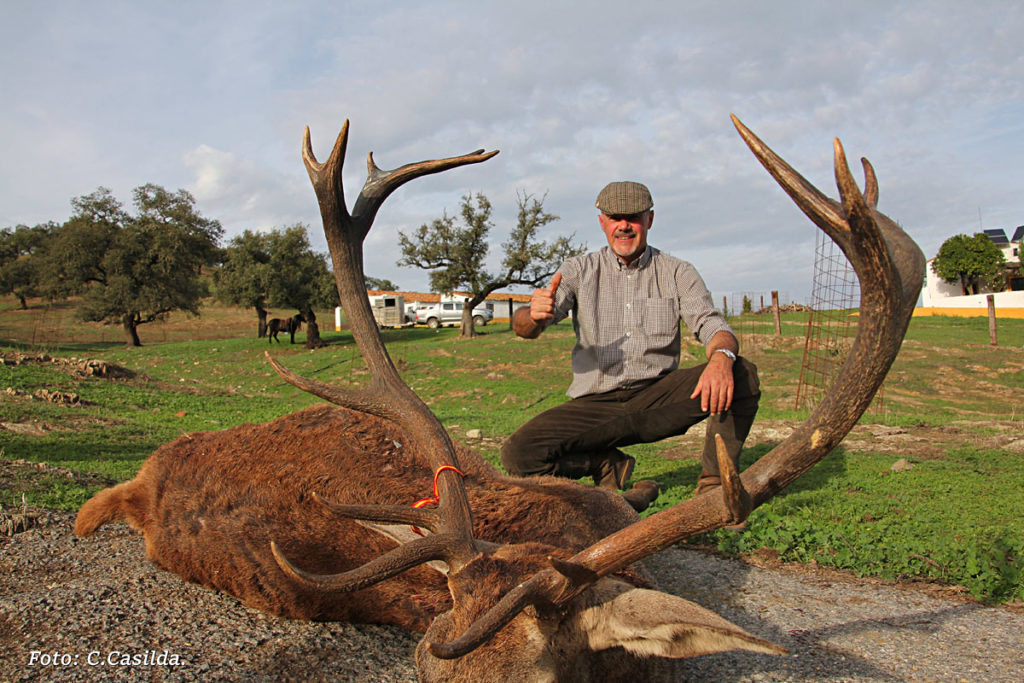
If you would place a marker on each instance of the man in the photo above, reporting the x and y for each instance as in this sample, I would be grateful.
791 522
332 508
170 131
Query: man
627 300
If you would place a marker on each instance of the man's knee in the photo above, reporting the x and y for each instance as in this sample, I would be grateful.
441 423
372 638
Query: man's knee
747 386
515 456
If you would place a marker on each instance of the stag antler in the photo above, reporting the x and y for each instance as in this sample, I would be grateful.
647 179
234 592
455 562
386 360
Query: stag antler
890 267
387 396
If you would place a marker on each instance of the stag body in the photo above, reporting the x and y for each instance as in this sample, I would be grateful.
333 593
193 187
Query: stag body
208 505
521 608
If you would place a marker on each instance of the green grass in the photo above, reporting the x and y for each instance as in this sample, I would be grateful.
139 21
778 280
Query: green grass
942 520
957 517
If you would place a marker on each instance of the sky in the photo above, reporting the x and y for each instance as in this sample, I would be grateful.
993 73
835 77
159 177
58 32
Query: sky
213 97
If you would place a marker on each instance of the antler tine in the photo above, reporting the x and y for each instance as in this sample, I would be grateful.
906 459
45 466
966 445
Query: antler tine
734 495
870 183
822 210
406 556
334 162
530 592
386 514
388 395
890 267
380 183
362 400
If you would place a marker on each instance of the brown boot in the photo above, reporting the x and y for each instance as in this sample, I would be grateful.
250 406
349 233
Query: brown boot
642 494
612 469
706 482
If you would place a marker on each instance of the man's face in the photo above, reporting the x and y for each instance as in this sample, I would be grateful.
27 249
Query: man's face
627 235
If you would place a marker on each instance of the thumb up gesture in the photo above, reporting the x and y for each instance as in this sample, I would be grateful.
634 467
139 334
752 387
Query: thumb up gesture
542 303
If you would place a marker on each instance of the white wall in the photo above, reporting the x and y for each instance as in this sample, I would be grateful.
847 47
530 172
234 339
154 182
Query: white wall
941 294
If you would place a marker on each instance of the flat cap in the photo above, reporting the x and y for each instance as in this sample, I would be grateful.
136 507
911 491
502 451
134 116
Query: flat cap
624 198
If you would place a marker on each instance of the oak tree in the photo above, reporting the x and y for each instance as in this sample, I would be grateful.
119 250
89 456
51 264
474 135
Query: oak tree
299 278
22 250
243 278
132 269
455 251
971 261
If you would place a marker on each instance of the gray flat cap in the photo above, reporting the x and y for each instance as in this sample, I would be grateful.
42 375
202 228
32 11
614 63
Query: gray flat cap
624 198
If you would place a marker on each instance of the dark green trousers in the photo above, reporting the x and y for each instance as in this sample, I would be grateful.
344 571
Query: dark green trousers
562 440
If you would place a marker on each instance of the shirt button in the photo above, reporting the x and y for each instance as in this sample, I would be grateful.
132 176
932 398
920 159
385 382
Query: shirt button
628 306
629 334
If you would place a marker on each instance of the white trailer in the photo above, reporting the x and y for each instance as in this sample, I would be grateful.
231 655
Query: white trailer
388 310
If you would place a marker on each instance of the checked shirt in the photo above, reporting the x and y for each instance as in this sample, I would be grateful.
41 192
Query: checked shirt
626 317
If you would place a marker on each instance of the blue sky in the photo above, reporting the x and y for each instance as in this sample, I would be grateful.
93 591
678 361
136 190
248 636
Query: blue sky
213 97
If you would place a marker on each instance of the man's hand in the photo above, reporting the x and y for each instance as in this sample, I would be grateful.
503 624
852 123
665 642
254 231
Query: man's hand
715 386
529 322
542 303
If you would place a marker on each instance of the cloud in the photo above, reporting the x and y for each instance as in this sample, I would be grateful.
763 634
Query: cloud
215 97
245 195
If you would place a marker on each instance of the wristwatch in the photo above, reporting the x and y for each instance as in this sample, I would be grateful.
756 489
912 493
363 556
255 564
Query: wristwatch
728 353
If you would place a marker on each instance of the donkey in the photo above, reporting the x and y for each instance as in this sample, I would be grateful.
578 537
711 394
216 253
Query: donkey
325 513
289 325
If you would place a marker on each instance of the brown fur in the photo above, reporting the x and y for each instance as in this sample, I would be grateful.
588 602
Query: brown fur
289 325
208 505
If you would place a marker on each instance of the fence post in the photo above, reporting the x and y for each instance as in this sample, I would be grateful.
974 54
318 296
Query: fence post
775 313
991 319
725 308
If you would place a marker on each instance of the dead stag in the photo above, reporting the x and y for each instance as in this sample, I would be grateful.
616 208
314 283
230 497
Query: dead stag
540 583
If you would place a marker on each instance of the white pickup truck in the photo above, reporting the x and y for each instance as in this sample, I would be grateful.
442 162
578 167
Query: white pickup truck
450 313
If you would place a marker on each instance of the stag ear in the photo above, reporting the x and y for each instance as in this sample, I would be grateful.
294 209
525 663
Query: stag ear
650 623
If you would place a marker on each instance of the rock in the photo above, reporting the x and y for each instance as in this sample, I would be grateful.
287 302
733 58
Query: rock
59 397
902 465
474 434
25 428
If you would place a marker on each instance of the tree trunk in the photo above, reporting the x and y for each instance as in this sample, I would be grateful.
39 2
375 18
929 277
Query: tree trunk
131 329
466 326
24 304
262 325
466 329
313 340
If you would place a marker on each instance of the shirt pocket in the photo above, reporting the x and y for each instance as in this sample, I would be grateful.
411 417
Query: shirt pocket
661 321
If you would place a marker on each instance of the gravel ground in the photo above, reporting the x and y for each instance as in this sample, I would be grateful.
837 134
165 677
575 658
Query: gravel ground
73 609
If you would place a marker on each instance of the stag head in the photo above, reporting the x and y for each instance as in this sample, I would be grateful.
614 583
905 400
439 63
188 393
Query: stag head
530 611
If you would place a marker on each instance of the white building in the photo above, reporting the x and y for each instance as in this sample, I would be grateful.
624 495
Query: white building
943 295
